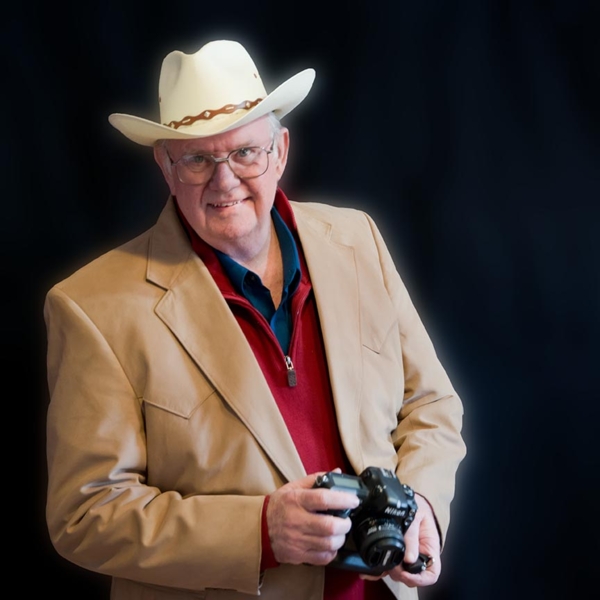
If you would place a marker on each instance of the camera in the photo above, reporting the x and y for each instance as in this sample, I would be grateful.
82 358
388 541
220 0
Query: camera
387 507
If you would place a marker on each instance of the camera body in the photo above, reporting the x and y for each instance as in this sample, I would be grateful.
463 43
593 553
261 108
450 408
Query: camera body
387 507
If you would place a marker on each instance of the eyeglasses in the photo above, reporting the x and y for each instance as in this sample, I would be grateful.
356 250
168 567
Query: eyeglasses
246 163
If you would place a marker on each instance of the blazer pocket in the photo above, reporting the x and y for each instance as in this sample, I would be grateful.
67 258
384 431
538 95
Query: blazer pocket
179 394
377 329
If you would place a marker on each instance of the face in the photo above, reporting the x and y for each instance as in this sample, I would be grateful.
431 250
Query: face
229 213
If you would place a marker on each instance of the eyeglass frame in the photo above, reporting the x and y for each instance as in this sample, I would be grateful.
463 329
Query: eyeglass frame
224 159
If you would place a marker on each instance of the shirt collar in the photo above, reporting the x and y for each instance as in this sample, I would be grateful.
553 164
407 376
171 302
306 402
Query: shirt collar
238 274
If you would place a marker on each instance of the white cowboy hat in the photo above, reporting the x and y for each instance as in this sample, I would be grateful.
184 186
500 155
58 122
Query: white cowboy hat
216 89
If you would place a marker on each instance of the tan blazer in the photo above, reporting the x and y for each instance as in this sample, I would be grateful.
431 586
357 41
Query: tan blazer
163 435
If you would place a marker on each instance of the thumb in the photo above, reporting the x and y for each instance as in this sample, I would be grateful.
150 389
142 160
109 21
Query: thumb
411 542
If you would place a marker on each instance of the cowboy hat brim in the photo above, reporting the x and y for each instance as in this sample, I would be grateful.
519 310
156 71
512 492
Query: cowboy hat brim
280 101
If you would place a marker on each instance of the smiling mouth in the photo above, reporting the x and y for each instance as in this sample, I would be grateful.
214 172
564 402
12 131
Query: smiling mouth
225 204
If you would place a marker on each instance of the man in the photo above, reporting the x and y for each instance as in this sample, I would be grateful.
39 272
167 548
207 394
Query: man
203 374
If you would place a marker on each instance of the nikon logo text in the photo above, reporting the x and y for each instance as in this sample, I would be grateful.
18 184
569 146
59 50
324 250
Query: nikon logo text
396 512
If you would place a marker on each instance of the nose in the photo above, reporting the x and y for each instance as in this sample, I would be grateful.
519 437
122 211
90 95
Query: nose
223 177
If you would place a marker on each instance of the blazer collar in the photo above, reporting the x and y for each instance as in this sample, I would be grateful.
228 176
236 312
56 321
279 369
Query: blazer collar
332 268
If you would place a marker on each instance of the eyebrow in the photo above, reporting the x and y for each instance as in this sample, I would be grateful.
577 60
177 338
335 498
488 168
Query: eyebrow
233 149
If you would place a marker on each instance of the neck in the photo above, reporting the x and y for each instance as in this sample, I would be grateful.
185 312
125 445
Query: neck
268 265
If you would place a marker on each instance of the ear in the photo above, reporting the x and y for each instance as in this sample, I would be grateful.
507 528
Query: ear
283 145
164 162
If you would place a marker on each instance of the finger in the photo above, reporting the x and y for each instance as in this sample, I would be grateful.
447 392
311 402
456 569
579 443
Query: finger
324 544
322 500
411 542
300 548
287 516
317 558
322 525
330 526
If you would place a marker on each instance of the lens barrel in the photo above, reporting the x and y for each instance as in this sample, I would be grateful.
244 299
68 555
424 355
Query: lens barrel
379 542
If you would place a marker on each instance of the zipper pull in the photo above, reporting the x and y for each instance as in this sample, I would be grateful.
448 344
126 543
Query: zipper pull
291 372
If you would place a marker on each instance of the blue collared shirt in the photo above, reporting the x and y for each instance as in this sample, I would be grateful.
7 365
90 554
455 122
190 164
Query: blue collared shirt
249 284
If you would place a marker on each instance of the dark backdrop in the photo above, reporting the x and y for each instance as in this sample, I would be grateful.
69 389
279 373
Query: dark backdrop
470 129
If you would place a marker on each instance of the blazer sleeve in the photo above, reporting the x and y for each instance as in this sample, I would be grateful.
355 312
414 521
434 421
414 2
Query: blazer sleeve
428 437
101 513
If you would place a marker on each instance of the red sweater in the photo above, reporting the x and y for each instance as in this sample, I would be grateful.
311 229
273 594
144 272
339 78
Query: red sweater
307 407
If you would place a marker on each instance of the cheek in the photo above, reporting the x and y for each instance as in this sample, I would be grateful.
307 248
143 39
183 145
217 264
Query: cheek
265 189
188 199
182 192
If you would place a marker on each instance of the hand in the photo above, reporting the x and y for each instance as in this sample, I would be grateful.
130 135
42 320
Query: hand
298 533
421 536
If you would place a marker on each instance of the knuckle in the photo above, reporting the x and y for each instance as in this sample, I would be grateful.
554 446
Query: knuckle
328 546
333 544
321 525
329 527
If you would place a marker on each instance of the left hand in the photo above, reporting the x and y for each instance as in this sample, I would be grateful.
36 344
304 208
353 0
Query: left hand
421 536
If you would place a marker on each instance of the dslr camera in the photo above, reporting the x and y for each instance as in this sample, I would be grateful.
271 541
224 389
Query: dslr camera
387 507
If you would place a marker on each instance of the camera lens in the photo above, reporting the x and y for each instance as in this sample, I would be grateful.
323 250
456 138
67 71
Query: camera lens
380 543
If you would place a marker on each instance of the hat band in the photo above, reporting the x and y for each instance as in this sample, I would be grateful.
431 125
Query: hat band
209 114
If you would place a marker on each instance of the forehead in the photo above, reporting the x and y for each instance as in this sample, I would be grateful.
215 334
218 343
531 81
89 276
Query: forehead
256 133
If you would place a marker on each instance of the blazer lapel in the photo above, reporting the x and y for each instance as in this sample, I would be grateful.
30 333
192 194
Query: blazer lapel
334 277
197 314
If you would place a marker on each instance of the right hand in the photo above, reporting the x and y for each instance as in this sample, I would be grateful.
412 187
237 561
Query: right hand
298 532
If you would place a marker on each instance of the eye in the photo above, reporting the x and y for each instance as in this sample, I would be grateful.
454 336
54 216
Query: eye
195 159
195 162
246 155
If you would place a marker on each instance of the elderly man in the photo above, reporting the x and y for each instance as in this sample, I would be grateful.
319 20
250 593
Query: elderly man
204 374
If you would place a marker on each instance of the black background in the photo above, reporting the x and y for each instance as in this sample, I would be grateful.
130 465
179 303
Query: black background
469 129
